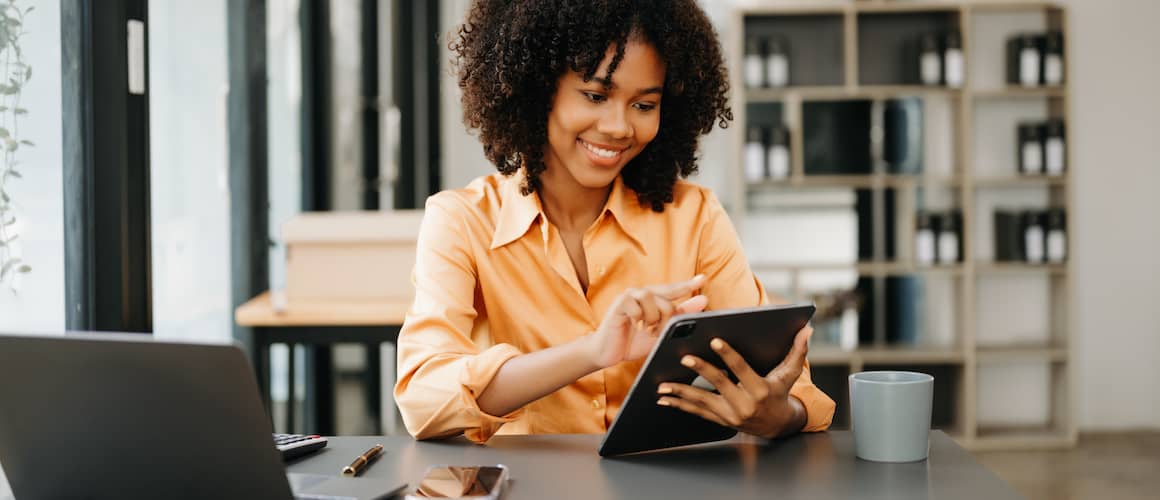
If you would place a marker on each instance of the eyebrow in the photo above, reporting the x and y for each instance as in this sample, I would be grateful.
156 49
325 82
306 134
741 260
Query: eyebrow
609 84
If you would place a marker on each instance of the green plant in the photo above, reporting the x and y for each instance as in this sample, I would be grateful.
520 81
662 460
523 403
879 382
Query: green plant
14 75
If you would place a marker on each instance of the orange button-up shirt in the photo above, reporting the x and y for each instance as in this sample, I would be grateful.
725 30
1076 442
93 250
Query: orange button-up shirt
493 280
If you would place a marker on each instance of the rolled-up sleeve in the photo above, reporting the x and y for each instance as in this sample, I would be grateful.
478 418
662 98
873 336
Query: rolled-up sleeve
819 407
441 367
730 283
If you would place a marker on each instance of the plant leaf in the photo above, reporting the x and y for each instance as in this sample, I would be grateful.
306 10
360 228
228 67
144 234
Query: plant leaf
27 142
4 133
8 267
11 144
25 269
21 111
28 74
15 174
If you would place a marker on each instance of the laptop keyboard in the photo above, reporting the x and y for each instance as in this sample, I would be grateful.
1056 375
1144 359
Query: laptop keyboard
295 445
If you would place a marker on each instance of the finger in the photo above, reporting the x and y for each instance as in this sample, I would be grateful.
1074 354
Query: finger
674 291
629 309
790 368
650 315
690 407
728 412
666 308
751 381
695 304
717 377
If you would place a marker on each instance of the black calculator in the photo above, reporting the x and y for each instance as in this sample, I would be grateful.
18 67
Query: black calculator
295 445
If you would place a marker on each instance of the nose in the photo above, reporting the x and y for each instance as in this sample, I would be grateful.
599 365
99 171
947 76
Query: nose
614 124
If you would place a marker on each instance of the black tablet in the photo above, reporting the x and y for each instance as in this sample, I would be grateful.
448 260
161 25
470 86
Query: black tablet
762 335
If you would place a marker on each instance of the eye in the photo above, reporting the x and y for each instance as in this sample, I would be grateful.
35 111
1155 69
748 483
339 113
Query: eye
645 106
593 96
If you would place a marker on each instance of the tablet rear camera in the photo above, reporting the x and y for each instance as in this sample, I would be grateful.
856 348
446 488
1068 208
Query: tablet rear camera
683 330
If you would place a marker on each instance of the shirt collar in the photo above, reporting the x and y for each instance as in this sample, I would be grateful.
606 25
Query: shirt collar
628 213
519 211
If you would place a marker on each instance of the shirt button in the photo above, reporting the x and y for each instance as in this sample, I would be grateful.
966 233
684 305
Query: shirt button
596 404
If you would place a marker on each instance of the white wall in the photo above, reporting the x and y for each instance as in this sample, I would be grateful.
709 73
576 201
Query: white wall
1115 51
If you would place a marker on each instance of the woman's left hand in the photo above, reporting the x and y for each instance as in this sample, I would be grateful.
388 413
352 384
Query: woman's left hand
757 405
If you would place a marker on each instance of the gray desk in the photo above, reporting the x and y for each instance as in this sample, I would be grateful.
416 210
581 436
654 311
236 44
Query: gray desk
566 466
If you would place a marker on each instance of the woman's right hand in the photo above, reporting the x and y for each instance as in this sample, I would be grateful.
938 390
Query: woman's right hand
633 322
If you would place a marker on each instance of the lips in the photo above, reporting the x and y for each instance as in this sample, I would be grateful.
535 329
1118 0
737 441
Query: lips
602 155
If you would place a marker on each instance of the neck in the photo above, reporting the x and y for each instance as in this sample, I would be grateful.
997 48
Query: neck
567 204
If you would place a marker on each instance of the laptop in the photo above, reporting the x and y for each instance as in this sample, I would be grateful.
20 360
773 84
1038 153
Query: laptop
124 416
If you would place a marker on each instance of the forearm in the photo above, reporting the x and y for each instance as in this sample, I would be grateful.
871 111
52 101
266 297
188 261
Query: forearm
531 376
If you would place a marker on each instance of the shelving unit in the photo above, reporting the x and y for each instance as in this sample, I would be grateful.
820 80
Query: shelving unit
848 51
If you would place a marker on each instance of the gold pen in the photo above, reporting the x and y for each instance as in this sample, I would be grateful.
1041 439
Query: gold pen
361 461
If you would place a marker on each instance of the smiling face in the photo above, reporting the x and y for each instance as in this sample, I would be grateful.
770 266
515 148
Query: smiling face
595 128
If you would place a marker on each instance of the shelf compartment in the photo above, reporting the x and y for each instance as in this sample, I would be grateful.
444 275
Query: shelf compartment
1023 396
990 26
815 40
888 42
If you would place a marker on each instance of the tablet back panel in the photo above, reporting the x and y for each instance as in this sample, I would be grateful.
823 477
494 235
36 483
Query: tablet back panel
762 335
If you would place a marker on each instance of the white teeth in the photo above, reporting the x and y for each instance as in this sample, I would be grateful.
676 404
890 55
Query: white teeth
603 153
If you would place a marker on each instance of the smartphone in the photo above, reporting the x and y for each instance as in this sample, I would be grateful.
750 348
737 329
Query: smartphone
454 481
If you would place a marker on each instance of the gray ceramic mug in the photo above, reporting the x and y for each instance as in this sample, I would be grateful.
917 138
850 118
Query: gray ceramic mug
891 415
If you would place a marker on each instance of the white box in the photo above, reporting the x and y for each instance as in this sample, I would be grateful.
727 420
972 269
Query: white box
351 256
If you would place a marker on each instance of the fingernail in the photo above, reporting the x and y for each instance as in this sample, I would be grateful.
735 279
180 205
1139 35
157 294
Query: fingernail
662 402
688 361
664 389
717 344
698 277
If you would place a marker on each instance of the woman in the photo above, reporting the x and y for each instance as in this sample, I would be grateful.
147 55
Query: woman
540 288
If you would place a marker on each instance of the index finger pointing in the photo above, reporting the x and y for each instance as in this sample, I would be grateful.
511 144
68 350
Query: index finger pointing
674 291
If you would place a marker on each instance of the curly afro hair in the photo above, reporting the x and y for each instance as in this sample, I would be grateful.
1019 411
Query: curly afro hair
511 53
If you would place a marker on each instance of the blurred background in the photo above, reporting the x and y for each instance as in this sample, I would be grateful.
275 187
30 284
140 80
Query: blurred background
964 188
